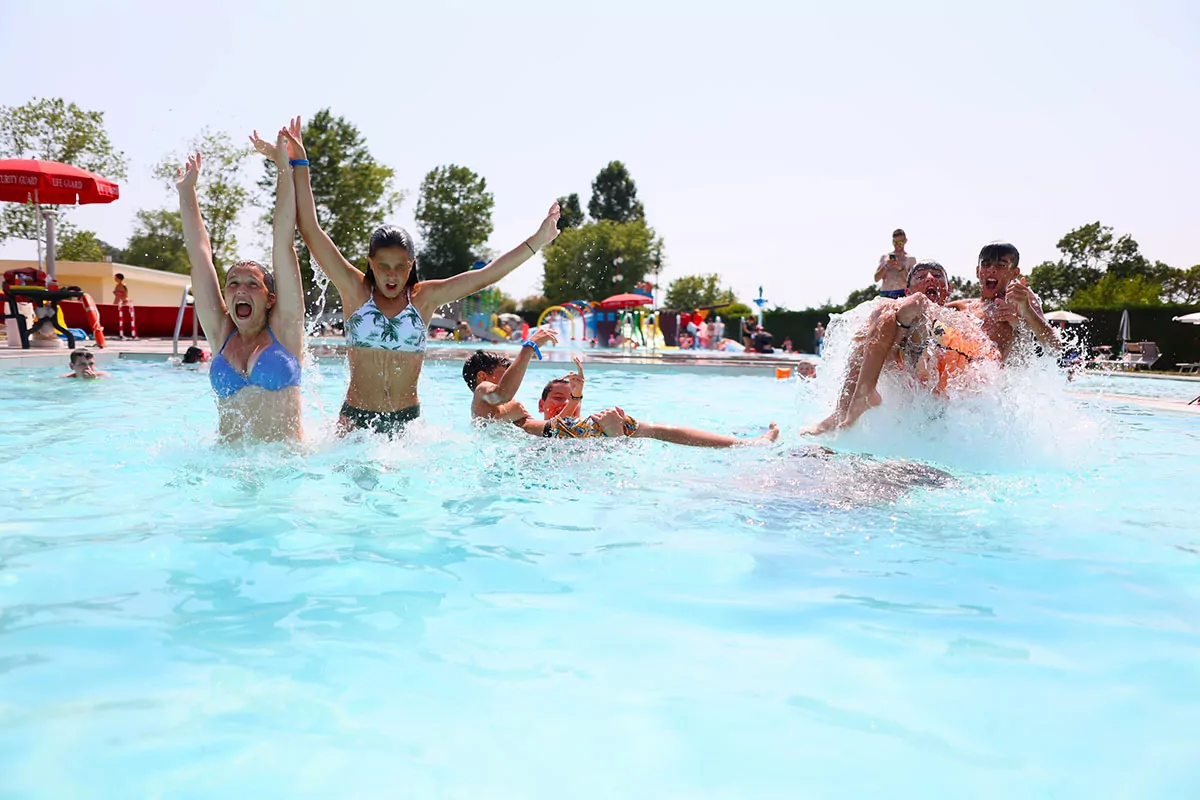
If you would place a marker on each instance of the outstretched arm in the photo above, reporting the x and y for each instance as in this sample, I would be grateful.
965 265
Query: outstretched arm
432 294
210 304
507 389
287 315
347 278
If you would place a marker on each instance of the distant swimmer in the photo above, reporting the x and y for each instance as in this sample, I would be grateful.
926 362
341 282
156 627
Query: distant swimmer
912 335
83 366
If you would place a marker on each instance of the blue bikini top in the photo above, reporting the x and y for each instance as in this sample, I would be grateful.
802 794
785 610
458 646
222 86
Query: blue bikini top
274 370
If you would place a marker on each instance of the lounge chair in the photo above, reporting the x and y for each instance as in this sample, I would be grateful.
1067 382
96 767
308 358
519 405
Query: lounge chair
1149 356
1189 367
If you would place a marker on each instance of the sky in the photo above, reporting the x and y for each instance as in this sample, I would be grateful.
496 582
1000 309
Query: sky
775 143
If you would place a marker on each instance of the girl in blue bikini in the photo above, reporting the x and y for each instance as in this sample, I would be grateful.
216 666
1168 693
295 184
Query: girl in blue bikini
387 309
256 325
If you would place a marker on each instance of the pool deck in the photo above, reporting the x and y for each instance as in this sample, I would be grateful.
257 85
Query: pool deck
733 364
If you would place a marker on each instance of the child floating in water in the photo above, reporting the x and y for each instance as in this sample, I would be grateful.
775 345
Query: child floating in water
488 376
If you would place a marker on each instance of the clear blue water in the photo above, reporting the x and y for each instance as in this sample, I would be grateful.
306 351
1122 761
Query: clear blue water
476 614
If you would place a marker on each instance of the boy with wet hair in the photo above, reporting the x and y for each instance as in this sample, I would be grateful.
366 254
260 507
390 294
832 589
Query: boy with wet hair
494 378
1005 300
83 366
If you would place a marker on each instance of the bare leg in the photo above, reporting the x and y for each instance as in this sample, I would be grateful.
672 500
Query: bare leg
698 438
871 349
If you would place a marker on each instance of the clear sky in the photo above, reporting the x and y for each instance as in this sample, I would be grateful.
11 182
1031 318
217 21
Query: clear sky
775 143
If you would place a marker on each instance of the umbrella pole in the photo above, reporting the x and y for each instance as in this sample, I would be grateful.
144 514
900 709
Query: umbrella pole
49 248
37 214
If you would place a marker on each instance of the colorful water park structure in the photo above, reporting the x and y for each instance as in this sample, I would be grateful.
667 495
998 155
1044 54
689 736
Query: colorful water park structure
621 318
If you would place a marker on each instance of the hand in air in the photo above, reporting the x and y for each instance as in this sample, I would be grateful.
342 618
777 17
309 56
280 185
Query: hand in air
185 177
279 152
295 140
548 230
543 336
575 379
1002 311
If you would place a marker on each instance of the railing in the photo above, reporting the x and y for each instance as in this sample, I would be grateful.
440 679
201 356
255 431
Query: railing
183 301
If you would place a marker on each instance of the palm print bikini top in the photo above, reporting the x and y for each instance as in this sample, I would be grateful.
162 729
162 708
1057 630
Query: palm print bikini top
403 333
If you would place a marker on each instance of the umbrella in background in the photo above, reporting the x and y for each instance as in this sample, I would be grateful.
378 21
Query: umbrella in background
1123 330
1066 316
626 301
1189 319
27 180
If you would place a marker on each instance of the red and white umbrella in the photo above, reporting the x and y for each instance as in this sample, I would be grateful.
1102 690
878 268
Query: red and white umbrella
27 180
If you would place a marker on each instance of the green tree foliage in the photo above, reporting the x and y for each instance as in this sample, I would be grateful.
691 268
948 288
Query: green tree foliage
583 263
51 129
157 242
221 190
352 191
697 291
78 245
454 216
736 309
1183 286
1113 290
572 213
614 195
962 288
535 302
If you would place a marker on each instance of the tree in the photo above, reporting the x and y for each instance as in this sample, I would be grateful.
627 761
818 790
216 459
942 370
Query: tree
614 195
53 130
860 296
221 190
157 242
598 259
352 191
962 289
454 216
572 213
1183 286
1113 290
77 245
535 302
696 291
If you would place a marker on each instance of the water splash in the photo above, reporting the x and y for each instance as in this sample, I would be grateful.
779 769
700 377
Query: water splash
998 418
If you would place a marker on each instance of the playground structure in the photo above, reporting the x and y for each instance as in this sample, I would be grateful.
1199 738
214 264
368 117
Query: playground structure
620 316
481 313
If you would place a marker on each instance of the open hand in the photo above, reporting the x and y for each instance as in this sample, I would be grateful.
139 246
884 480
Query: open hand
548 230
575 379
295 140
186 176
1002 311
544 336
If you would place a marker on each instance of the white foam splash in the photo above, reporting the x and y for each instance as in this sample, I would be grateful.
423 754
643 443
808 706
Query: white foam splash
1004 418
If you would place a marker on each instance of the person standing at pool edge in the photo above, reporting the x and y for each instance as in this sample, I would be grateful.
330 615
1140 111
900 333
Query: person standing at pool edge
256 326
388 309
124 306
894 266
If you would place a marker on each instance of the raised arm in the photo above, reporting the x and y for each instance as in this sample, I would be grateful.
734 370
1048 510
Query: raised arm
345 276
881 270
287 315
507 389
1029 305
432 294
210 303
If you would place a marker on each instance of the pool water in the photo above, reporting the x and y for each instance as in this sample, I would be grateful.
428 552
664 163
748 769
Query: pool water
1002 601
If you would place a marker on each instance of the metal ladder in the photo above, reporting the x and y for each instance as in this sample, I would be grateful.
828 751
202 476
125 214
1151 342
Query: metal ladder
183 301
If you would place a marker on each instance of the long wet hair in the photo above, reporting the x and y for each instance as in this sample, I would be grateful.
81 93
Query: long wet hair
392 236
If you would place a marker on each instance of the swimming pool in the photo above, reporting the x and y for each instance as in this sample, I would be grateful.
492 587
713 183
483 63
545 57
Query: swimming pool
480 614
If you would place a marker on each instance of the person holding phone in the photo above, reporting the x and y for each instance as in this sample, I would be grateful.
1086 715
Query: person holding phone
894 266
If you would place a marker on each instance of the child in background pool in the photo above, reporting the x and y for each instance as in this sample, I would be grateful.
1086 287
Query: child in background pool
254 326
494 378
83 366
561 409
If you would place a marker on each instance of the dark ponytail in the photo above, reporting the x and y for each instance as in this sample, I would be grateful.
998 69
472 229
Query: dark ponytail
392 236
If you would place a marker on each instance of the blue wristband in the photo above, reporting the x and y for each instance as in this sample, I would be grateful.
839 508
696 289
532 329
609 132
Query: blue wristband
536 350
298 162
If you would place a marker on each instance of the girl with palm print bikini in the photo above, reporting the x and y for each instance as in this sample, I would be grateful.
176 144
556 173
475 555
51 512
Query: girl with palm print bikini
391 309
